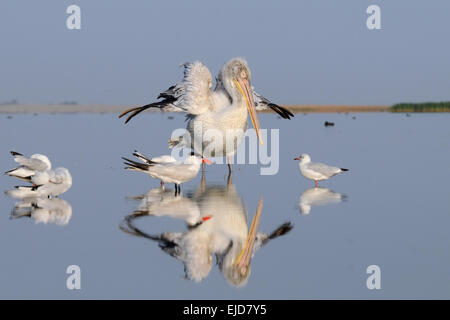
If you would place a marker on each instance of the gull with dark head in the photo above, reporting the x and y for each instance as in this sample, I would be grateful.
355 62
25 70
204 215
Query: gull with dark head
224 109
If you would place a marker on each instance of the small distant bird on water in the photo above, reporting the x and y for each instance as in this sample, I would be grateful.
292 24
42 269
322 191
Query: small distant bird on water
328 124
170 172
28 166
315 170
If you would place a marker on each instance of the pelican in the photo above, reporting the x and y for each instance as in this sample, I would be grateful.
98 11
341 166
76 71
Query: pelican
28 166
218 226
315 170
318 197
224 110
51 183
170 172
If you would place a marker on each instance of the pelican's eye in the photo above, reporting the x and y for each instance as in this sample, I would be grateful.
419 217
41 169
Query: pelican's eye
243 75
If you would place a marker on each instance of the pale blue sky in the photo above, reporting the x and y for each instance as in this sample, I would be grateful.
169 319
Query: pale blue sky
300 52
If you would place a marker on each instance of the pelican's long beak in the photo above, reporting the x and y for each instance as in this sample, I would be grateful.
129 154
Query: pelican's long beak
244 258
246 90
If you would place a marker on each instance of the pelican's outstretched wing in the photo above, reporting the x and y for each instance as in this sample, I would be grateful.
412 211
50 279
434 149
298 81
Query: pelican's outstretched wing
262 103
192 95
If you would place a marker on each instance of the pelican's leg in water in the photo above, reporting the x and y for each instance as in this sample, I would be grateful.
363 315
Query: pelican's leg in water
229 160
162 185
229 180
203 181
316 184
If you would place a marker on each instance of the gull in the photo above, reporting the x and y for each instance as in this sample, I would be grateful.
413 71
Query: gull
159 202
315 170
161 160
28 166
172 172
46 184
216 119
43 210
318 197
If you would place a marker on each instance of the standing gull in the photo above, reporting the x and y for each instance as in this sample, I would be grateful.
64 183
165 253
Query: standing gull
221 110
164 159
170 172
315 170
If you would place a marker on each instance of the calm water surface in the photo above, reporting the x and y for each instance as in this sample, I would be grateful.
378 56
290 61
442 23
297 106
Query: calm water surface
392 210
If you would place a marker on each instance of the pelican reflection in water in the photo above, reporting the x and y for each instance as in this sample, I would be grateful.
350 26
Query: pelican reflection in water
217 225
318 197
44 210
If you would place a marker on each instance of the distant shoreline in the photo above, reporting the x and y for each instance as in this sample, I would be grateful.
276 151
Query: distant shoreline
97 108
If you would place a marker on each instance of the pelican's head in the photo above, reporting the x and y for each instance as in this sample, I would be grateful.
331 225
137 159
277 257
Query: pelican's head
235 76
43 159
303 158
236 276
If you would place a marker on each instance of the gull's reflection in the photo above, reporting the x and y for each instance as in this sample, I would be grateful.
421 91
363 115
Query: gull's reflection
44 210
217 225
318 197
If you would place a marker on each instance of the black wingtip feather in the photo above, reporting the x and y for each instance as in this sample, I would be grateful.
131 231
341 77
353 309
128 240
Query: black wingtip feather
134 164
13 153
343 169
281 230
283 112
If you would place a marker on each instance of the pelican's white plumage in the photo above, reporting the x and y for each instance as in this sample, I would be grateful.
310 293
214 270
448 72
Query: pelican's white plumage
222 109
29 166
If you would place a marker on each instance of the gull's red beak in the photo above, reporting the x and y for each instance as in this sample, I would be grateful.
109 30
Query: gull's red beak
204 160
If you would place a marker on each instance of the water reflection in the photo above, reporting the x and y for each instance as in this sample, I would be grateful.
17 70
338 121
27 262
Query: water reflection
318 197
43 210
217 224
